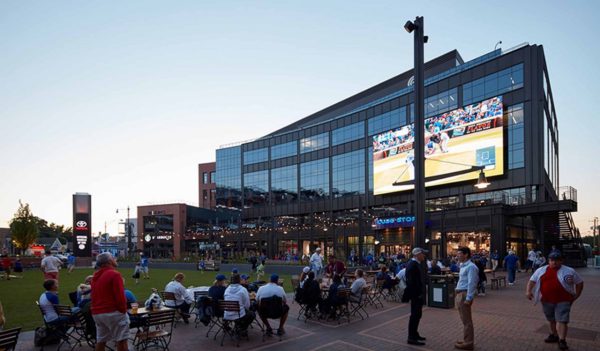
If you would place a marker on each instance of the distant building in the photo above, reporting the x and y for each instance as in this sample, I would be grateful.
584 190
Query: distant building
206 185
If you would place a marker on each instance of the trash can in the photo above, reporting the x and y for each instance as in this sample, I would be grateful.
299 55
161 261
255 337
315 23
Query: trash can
441 291
597 261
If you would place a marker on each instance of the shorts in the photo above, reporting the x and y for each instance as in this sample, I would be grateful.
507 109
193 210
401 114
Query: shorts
113 326
51 275
144 270
558 312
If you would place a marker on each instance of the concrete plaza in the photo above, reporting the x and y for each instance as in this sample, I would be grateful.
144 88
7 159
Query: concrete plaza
504 320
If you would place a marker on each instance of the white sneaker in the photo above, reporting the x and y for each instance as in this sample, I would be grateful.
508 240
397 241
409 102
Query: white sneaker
511 284
481 294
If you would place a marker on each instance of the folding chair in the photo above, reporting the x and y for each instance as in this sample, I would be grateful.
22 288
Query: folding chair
8 339
169 296
375 294
270 308
53 329
358 305
216 317
73 298
157 330
342 309
229 306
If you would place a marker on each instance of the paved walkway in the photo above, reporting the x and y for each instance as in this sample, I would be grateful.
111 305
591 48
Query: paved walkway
504 320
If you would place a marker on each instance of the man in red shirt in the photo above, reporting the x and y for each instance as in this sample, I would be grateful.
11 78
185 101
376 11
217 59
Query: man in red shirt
335 267
7 265
557 286
109 306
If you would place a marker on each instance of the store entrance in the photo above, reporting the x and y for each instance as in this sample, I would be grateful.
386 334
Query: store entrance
476 241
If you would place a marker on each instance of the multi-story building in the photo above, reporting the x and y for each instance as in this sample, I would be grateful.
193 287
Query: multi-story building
339 179
206 185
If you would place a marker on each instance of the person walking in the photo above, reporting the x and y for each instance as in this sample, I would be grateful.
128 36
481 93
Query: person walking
414 293
70 262
557 286
495 257
511 263
144 264
316 262
6 265
109 305
50 265
465 293
531 256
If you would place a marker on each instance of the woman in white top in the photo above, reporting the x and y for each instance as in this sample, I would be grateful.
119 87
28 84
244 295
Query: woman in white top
183 300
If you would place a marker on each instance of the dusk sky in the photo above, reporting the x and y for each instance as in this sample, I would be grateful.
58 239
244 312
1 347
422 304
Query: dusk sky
123 99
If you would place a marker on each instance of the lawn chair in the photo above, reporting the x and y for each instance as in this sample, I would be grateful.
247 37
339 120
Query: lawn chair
8 339
376 293
75 332
216 317
229 306
157 330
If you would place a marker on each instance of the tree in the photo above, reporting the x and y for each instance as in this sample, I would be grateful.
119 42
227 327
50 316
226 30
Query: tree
23 227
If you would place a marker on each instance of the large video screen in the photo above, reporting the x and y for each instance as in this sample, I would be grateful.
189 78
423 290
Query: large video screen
454 141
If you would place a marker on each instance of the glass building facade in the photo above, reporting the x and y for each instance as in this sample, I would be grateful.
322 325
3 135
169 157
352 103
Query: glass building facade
315 177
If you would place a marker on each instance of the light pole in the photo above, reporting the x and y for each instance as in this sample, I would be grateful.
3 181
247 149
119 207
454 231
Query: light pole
127 232
419 127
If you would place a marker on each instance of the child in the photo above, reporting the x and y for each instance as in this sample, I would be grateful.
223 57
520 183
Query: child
19 267
260 271
202 266
136 272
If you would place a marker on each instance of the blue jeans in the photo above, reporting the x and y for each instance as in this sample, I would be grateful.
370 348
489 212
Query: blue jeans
511 274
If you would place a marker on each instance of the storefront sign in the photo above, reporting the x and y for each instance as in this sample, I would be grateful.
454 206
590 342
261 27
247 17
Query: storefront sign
394 222
157 236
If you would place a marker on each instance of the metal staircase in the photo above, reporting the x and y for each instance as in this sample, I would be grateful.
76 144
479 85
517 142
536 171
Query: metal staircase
569 241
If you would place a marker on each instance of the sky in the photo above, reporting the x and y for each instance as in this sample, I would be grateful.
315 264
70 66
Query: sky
123 99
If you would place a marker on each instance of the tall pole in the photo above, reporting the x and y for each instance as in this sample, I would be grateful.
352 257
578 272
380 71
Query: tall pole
128 231
419 132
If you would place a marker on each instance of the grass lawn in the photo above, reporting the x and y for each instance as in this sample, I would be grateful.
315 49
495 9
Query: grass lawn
18 296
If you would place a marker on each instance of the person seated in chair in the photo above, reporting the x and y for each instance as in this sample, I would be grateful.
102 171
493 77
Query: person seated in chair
236 292
358 285
183 300
47 301
269 310
311 294
251 287
388 282
329 305
435 268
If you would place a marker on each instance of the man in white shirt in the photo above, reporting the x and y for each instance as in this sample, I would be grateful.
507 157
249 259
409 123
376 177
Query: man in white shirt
466 288
358 284
531 256
316 262
266 311
183 300
236 292
50 265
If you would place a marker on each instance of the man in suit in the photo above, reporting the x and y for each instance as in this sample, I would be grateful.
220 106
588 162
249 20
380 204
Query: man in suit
415 293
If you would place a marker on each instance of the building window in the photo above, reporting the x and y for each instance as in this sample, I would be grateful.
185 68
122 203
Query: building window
212 177
442 102
256 188
228 177
204 178
493 84
256 156
204 195
441 203
348 173
516 137
348 133
315 142
513 197
284 184
284 150
314 179
370 168
387 121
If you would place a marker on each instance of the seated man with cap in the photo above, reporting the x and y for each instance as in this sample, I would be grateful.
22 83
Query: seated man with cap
217 290
277 308
251 287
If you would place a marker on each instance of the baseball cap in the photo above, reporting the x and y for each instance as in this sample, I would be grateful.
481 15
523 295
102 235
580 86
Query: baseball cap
418 250
555 255
274 278
220 277
244 276
306 269
235 271
318 249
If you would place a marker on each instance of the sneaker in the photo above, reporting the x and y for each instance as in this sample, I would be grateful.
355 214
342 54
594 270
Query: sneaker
562 344
552 338
280 332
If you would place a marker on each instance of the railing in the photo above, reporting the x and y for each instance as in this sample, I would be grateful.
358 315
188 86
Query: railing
567 193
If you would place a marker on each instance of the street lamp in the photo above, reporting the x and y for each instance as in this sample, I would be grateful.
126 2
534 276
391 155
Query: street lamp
417 27
127 232
482 182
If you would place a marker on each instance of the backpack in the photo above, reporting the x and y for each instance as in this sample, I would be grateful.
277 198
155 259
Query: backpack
42 336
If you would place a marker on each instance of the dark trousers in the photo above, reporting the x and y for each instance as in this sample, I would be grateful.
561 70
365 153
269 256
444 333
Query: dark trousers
416 311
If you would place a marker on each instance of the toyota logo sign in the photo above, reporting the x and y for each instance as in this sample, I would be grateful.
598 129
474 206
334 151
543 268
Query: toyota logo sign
81 224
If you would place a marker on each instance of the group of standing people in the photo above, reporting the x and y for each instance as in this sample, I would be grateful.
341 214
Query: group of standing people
557 286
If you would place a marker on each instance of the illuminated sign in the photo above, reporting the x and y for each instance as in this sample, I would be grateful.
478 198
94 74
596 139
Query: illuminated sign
82 225
394 222
454 142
